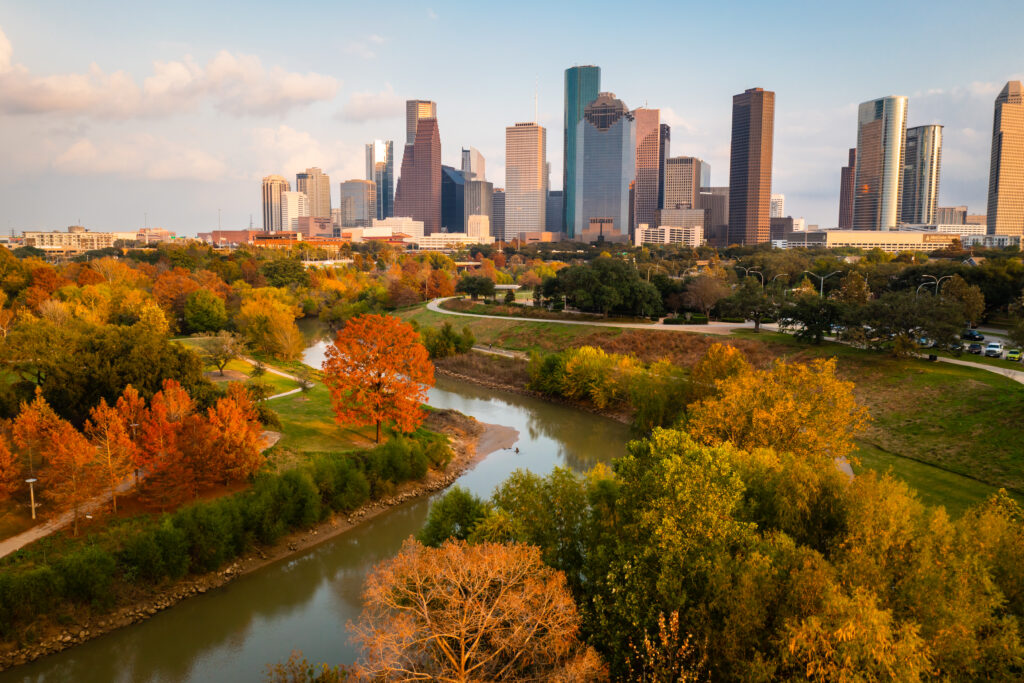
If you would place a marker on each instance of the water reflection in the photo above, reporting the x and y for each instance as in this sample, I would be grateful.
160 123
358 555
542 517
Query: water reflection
305 602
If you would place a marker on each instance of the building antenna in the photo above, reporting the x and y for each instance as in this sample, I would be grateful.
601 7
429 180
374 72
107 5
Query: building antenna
536 96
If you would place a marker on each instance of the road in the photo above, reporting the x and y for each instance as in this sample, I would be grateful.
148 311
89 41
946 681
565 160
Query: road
724 329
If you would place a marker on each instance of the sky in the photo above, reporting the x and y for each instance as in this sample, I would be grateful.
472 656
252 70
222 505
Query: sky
120 115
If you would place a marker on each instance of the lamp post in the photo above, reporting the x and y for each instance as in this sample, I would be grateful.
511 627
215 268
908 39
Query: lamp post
32 494
821 280
936 281
759 274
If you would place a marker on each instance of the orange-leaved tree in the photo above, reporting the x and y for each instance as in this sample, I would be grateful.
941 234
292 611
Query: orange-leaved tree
33 430
108 433
482 612
233 435
378 371
168 474
74 475
801 409
10 470
132 408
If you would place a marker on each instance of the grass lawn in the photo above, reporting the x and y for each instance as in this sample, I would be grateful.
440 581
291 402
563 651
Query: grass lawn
307 424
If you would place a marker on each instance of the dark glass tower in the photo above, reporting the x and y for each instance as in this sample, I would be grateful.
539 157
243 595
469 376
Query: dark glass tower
453 199
750 166
582 84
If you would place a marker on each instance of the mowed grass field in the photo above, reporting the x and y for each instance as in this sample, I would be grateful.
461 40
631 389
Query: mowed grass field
954 433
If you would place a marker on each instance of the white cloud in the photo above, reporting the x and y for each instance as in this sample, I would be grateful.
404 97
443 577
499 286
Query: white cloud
669 116
139 155
365 49
432 14
285 150
235 84
373 106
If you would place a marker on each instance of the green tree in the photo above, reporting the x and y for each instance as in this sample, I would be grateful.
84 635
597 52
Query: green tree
282 272
811 316
750 302
970 298
205 312
454 516
476 286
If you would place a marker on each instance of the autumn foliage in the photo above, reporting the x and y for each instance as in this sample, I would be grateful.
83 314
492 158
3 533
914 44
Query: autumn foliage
484 612
378 372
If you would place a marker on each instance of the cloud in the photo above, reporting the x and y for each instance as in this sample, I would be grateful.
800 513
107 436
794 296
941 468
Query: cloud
669 116
432 14
365 49
373 106
285 150
235 84
147 156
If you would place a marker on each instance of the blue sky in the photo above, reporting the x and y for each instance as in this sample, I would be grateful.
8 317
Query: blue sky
112 114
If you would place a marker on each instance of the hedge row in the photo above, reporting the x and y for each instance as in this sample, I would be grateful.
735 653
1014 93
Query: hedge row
203 536
695 319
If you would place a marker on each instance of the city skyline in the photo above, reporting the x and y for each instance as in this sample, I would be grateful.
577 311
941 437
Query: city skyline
251 109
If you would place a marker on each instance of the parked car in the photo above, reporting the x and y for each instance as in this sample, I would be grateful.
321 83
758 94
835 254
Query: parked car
1014 355
972 335
975 348
994 350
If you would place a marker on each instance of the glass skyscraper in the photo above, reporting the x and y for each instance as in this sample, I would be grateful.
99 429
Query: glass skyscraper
453 199
881 139
605 165
582 85
380 168
921 174
1006 177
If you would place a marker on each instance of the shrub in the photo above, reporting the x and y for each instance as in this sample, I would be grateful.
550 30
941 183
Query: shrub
87 574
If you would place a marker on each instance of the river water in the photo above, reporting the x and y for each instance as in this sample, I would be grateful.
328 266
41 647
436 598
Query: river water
305 601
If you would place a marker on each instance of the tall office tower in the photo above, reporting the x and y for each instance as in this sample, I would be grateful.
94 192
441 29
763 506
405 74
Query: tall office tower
478 200
498 214
582 85
682 183
414 111
1006 177
705 174
921 164
453 200
777 206
418 194
316 185
473 164
380 168
605 165
555 212
750 166
715 202
666 136
648 165
847 178
951 215
273 186
526 179
294 205
881 138
358 203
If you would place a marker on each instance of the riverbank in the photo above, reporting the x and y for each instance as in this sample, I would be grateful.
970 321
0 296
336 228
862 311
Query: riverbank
470 440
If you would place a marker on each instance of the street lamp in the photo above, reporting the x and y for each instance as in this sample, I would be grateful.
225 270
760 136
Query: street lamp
936 280
759 274
32 494
821 280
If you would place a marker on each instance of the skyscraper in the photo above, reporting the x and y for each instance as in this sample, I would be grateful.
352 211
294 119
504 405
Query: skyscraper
453 199
777 206
582 85
498 214
358 203
1006 177
316 185
555 212
414 111
881 138
273 186
750 166
526 184
418 194
605 165
666 136
847 178
294 205
380 168
921 165
648 165
682 183
478 200
473 164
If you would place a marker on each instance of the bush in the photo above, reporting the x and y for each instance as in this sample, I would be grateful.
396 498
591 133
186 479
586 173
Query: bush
695 319
87 575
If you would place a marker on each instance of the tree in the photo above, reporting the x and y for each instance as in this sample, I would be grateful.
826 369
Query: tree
222 348
853 290
162 440
704 291
1016 334
282 272
10 470
476 286
205 312
108 434
34 430
810 315
750 302
233 435
378 371
73 476
791 407
453 517
471 613
970 298
719 362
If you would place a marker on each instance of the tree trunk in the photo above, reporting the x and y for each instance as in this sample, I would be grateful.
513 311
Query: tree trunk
757 323
378 431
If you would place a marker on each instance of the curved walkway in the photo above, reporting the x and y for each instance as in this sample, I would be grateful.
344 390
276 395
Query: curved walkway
711 328
275 371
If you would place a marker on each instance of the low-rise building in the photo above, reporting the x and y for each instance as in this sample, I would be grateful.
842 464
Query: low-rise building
947 228
447 240
891 241
75 240
396 224
690 236
991 241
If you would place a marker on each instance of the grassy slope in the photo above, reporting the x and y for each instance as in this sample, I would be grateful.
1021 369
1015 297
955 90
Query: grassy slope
952 432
